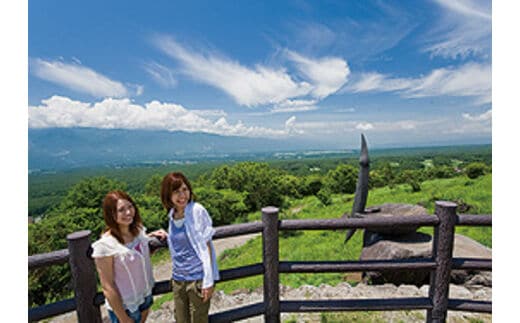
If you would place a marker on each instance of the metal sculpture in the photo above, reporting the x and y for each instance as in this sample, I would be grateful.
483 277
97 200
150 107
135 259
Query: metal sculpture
360 197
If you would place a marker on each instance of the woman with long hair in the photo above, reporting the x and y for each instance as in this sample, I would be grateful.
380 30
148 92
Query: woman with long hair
122 259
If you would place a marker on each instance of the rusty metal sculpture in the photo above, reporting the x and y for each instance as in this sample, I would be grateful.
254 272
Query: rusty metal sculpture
360 197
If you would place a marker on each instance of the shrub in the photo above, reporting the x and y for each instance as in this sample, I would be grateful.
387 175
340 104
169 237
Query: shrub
475 170
413 178
343 179
311 185
441 172
324 196
259 182
224 206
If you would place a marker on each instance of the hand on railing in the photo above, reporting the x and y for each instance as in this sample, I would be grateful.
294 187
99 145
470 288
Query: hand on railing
156 242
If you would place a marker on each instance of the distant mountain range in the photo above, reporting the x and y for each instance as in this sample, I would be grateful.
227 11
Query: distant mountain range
61 148
66 148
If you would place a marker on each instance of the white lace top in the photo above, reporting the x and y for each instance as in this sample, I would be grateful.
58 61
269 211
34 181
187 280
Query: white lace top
133 275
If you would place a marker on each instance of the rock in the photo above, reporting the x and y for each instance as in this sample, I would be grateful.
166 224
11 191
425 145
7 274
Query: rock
419 245
468 248
394 209
483 278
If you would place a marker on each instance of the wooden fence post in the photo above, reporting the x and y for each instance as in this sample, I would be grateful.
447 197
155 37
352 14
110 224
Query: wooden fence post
271 261
84 277
443 241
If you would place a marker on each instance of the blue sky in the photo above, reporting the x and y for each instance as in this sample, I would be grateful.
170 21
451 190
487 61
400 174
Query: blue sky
405 73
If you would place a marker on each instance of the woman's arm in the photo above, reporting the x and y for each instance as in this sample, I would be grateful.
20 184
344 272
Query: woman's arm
208 292
160 234
105 268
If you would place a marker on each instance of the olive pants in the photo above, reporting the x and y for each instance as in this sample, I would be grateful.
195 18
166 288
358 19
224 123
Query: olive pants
187 298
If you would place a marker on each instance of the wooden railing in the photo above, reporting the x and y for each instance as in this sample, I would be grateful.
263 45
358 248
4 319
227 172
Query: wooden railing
87 300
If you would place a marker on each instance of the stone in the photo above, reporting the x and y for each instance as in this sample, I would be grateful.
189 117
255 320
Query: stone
396 209
419 245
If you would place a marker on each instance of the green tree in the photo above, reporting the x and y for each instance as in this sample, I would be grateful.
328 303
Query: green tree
90 192
324 195
258 181
153 185
291 186
225 206
311 185
476 169
220 177
152 212
343 179
375 179
441 172
388 174
412 178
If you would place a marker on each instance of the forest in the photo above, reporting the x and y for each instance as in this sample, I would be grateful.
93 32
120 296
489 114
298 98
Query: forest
234 192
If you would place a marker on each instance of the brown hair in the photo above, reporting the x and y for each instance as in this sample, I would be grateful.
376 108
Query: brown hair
170 183
110 214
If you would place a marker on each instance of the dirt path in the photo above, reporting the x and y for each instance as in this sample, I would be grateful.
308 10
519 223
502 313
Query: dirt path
163 270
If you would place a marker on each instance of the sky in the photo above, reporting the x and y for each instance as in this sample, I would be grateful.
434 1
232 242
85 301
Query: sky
404 73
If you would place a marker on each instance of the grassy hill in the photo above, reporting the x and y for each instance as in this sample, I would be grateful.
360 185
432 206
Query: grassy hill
328 245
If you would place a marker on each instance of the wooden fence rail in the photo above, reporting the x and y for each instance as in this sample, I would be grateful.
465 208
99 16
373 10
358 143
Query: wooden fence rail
87 300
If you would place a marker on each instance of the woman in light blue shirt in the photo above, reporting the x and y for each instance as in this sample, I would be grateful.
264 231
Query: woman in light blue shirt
193 257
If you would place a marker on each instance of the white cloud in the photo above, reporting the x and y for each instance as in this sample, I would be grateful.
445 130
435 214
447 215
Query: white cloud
111 113
249 87
260 85
210 112
160 74
57 112
77 78
317 128
364 126
311 35
468 80
469 125
463 29
468 8
471 79
378 82
139 90
360 36
290 126
294 106
327 75
486 116
405 130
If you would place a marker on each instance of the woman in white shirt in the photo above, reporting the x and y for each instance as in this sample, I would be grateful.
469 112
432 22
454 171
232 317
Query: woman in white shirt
122 258
194 262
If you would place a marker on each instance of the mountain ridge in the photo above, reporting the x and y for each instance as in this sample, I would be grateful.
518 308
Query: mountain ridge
58 148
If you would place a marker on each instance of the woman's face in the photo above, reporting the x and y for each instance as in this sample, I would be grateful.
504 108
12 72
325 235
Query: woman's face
125 212
180 197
